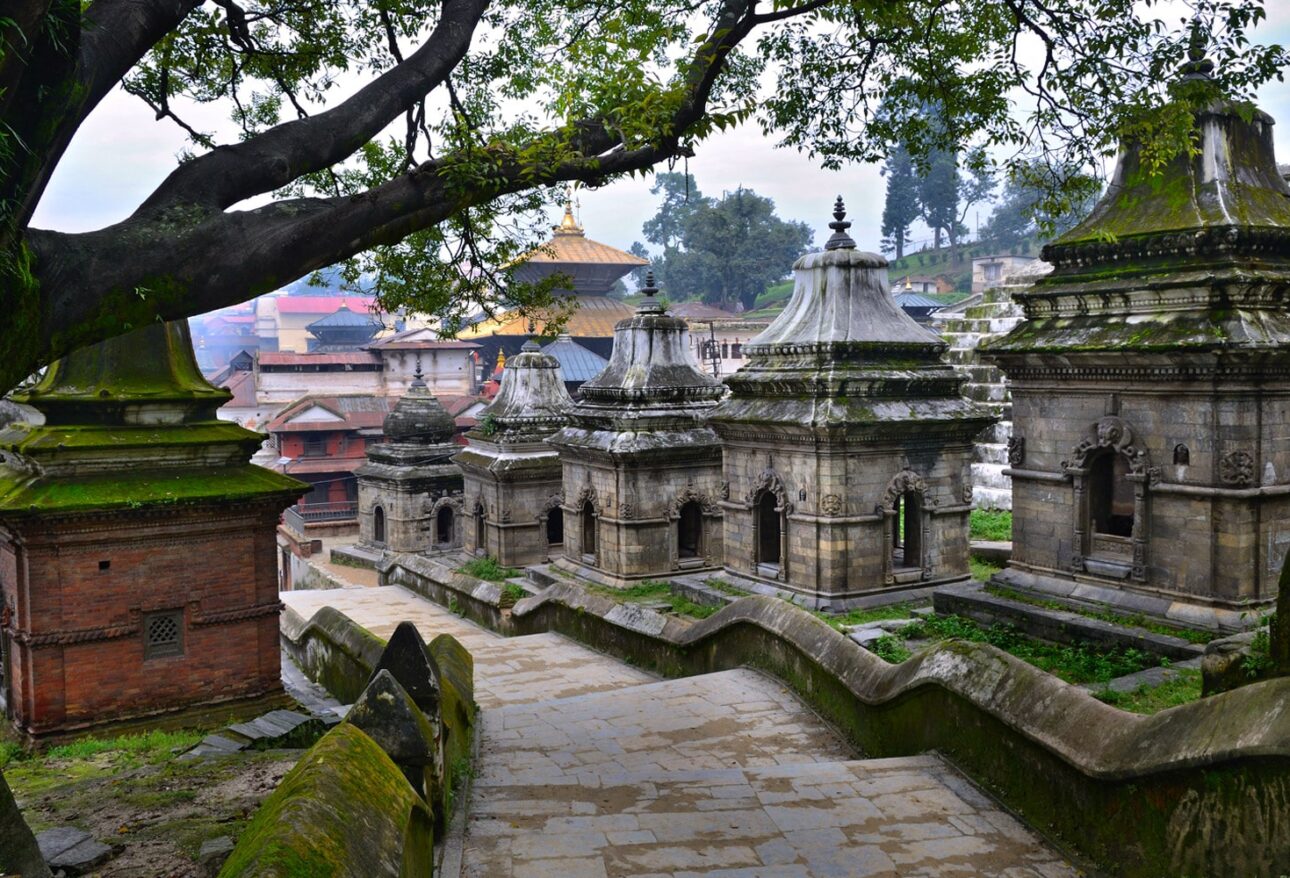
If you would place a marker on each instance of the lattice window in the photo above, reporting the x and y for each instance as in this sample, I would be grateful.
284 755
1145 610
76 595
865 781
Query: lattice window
163 634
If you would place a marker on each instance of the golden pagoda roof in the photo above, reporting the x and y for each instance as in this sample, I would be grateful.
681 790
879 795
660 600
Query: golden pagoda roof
570 244
595 317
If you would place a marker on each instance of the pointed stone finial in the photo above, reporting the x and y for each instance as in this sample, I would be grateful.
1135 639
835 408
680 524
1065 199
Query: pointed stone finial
1197 66
840 240
650 304
418 378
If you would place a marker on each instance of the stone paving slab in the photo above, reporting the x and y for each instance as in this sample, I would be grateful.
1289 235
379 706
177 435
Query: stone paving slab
507 670
732 718
880 817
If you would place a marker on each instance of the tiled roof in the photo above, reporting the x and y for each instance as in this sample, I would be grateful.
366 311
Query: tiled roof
340 358
322 304
342 316
315 465
700 311
242 386
595 317
576 362
914 300
407 340
356 410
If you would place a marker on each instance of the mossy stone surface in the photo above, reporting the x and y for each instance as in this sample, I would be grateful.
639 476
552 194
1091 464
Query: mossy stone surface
345 810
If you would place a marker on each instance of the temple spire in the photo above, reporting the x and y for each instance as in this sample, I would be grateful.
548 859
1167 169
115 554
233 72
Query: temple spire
840 240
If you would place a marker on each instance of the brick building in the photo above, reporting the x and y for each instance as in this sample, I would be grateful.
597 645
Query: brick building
137 549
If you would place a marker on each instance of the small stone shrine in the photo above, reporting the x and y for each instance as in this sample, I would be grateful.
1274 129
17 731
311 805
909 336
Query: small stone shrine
847 443
1150 457
409 490
512 476
137 544
642 471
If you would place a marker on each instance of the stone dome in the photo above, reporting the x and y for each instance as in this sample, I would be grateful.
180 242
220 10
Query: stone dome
419 418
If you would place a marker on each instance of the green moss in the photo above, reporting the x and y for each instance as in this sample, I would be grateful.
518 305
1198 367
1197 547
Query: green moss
343 810
1153 699
20 494
1132 621
488 568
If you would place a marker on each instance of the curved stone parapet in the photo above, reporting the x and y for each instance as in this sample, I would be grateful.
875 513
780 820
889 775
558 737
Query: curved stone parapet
1200 789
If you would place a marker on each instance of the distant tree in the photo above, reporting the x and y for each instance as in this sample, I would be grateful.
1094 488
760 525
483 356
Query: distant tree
938 193
902 205
1026 210
681 198
639 249
730 250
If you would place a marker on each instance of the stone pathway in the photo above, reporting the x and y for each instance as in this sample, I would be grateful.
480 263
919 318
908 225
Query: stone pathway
589 768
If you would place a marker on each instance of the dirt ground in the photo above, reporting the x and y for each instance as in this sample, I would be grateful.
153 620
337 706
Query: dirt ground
158 813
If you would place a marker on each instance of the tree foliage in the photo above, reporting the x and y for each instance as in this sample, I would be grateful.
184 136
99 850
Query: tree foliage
414 141
723 251
901 207
1024 208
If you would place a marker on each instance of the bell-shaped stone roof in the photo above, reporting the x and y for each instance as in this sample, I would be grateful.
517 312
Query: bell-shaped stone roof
419 418
651 392
1194 256
532 402
843 356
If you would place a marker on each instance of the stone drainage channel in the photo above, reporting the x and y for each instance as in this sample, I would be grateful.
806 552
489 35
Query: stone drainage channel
589 767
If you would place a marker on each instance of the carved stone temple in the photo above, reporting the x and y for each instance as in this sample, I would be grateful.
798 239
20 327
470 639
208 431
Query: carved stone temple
512 476
409 490
137 547
847 445
1151 388
642 469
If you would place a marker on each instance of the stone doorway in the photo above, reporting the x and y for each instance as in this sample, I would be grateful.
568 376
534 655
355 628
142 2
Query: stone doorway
588 532
689 532
907 534
555 527
378 525
443 523
769 533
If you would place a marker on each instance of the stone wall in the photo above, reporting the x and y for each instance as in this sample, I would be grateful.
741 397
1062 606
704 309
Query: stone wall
637 506
514 511
1201 789
840 514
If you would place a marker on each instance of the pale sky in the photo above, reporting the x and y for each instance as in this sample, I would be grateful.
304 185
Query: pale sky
122 153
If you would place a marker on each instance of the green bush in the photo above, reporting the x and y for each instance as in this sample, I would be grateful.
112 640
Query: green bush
487 568
994 525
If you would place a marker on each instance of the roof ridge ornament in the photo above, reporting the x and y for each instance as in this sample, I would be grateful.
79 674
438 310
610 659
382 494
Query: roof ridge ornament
418 378
840 240
649 304
1197 66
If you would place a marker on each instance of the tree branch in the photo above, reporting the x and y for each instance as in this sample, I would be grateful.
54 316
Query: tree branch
230 174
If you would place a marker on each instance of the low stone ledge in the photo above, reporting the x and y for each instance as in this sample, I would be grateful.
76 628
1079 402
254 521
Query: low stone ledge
1200 789
1058 626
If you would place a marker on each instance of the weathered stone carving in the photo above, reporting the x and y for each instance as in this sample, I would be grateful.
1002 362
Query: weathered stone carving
1236 468
831 504
1016 450
769 480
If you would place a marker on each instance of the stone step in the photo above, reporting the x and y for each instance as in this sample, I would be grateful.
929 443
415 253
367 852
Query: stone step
996 454
991 498
989 475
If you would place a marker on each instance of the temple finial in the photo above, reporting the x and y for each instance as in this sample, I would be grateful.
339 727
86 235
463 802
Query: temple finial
840 240
649 304
418 378
1197 66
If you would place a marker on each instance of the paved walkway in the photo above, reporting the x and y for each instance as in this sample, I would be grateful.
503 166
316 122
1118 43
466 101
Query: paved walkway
590 768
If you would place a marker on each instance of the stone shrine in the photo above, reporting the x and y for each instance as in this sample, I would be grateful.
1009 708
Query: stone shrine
642 470
409 490
512 477
137 547
1150 392
847 445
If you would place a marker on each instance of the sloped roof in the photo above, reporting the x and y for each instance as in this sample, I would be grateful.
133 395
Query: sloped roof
418 340
570 244
343 317
576 362
242 386
339 358
357 411
322 304
914 300
701 311
595 317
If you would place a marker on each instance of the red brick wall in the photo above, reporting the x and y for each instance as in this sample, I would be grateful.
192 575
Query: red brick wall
202 562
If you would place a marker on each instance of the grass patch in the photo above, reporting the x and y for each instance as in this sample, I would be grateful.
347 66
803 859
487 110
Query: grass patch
655 591
1074 664
983 570
851 618
487 568
92 757
993 525
512 593
890 648
1132 621
1152 699
724 587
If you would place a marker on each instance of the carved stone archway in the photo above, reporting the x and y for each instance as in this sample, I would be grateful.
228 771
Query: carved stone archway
710 513
902 484
455 503
1111 435
770 482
